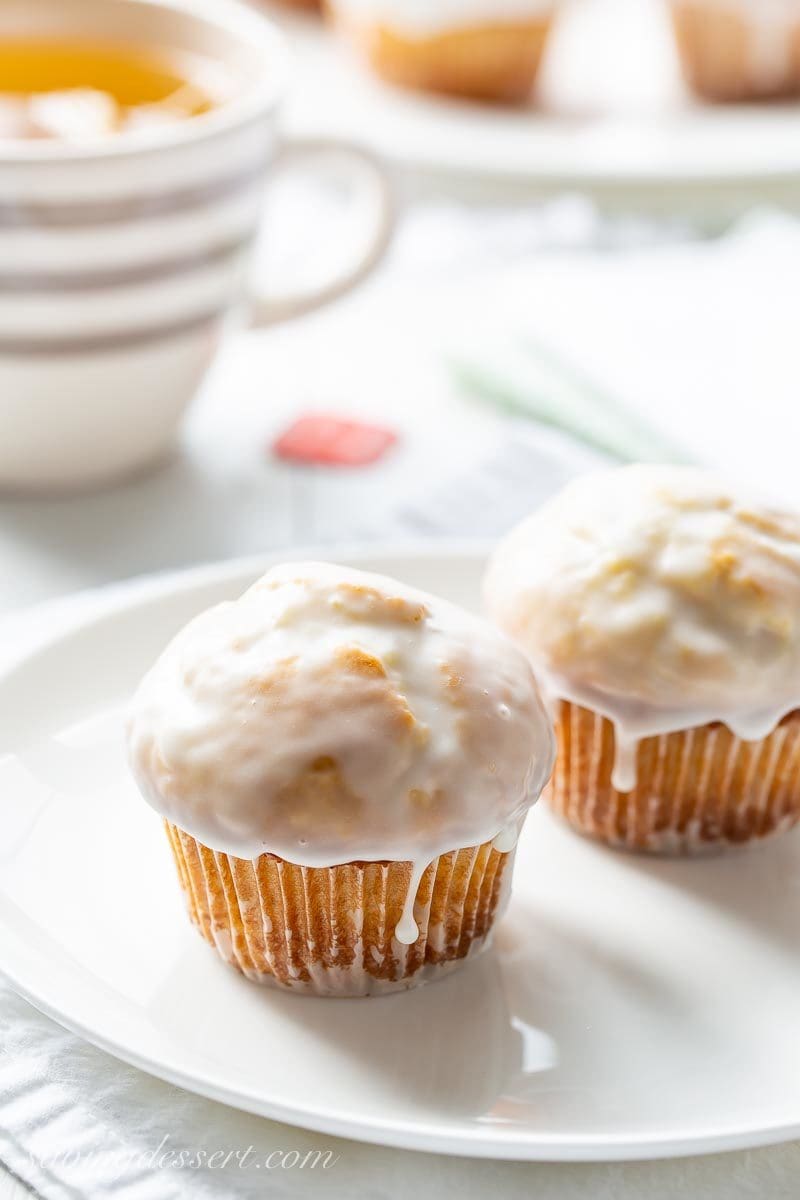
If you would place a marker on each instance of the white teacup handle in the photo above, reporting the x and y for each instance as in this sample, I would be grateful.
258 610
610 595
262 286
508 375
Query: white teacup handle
267 308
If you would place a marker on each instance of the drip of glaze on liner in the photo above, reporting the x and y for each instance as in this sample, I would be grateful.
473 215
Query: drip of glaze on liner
507 838
407 930
626 750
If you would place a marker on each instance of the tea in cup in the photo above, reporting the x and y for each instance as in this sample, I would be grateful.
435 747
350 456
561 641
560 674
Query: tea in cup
136 139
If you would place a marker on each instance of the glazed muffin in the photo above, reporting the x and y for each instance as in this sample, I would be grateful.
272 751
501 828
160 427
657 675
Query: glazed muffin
343 765
478 49
660 607
739 49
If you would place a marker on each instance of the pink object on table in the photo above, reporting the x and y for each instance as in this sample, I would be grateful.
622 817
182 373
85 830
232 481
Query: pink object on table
333 441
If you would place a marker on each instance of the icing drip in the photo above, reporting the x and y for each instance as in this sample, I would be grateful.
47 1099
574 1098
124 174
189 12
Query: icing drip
626 749
635 723
507 838
407 930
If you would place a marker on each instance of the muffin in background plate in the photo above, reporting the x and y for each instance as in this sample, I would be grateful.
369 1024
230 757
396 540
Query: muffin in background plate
306 5
660 607
479 49
343 764
738 50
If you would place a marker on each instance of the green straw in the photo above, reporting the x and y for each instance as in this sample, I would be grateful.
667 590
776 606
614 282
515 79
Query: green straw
532 380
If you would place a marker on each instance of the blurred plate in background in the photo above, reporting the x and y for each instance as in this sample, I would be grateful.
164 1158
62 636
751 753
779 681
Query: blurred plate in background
614 119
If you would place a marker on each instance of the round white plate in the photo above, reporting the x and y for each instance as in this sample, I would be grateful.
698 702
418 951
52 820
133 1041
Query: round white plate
629 1008
612 115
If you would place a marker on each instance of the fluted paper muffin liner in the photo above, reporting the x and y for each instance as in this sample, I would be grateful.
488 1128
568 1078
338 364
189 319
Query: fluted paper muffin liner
697 790
330 930
492 62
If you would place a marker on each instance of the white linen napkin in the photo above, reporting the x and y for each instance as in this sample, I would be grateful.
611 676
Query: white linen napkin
75 1124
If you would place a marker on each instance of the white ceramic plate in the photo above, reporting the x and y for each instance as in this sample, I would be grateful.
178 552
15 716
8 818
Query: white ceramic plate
613 114
629 1008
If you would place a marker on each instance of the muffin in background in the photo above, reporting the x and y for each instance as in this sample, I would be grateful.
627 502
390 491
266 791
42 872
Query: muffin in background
739 50
477 49
343 764
303 5
660 607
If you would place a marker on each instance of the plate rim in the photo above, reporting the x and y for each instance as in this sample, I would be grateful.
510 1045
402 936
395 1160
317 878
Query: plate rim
508 1144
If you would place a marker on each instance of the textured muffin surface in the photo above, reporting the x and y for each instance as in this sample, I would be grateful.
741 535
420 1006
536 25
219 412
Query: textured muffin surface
331 716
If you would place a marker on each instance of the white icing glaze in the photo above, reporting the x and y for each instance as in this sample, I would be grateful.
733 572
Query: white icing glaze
407 931
331 716
437 16
663 598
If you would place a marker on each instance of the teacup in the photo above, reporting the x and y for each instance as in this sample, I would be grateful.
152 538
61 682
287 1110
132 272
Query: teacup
121 259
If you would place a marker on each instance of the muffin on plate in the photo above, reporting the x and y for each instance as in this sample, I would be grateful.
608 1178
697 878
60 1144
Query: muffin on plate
343 764
660 607
306 5
739 49
480 49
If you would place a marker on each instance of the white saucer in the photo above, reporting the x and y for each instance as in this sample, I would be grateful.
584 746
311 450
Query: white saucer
629 1008
612 117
